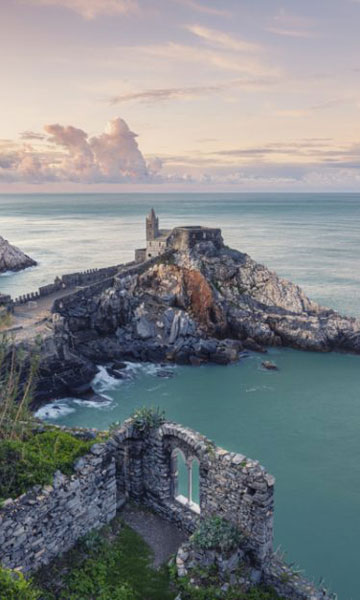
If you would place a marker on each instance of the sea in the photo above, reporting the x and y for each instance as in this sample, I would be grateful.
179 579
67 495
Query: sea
303 421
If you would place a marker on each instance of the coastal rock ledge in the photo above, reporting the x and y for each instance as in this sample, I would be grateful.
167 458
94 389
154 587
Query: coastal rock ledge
202 304
187 300
12 258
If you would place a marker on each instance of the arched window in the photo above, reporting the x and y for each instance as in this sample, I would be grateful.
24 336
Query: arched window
185 480
195 480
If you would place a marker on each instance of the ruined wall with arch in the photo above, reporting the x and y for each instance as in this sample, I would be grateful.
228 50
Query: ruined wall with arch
230 485
139 466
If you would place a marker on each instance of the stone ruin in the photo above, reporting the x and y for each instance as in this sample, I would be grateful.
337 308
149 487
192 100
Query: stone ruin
142 466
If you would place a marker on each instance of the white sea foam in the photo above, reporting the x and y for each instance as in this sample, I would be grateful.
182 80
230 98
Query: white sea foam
103 381
54 410
94 403
259 388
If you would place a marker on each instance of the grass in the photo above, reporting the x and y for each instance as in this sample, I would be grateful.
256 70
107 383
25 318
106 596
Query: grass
32 461
13 586
114 565
18 370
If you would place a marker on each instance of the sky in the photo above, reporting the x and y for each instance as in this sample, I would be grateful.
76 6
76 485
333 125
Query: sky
177 95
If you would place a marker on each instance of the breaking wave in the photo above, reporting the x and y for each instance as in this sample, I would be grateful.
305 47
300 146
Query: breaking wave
54 410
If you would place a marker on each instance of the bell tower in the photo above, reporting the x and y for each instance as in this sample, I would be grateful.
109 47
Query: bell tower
152 226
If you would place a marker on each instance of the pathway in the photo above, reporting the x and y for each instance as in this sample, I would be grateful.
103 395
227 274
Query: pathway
164 538
34 317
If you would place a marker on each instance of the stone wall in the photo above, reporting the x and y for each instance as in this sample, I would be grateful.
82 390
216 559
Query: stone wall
156 247
83 278
184 238
62 305
41 524
140 255
231 485
139 465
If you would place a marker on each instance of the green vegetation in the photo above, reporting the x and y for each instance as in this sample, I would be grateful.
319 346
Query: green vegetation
17 380
13 586
24 463
212 592
27 457
113 565
216 533
189 592
148 418
202 583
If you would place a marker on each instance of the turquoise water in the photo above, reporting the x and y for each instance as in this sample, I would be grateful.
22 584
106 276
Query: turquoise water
302 422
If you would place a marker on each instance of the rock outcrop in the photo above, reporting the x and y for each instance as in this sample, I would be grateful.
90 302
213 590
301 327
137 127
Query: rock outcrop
194 305
12 258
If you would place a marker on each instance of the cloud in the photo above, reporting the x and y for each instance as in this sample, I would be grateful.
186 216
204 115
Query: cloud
31 135
172 54
321 106
202 8
221 39
90 9
71 155
116 152
112 156
184 93
288 25
160 94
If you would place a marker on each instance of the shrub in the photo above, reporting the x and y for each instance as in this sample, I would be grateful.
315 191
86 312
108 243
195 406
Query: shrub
17 379
13 586
216 533
148 418
113 564
24 463
213 592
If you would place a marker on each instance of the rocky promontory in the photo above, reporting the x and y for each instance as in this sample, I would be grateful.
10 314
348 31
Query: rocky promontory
195 303
12 258
204 303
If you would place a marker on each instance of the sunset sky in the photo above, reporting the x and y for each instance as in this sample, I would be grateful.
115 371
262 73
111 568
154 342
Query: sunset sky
223 95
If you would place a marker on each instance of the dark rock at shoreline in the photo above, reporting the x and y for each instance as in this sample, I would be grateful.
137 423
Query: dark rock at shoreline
115 373
269 365
165 373
206 304
81 390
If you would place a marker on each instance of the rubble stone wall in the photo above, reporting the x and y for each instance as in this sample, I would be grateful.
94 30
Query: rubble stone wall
185 238
138 465
45 522
82 278
231 485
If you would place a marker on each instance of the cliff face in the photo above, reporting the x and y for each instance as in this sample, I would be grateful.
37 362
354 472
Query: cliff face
204 303
12 258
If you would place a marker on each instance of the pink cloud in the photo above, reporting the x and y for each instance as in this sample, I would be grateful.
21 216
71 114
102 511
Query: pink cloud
111 157
90 9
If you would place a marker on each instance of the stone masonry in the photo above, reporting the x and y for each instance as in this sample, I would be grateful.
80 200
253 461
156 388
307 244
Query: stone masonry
41 524
160 241
140 466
